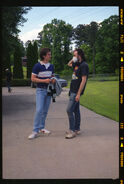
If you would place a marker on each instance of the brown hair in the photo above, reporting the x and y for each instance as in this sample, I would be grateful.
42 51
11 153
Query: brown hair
44 52
81 53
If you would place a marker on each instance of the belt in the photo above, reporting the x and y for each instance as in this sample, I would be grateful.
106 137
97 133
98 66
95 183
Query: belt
44 87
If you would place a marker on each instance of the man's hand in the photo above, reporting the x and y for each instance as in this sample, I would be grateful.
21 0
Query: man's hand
47 81
35 79
77 98
53 81
70 63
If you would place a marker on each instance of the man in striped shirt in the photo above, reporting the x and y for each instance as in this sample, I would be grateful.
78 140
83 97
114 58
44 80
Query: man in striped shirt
42 73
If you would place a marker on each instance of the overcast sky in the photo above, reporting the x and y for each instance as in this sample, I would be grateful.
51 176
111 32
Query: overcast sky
37 17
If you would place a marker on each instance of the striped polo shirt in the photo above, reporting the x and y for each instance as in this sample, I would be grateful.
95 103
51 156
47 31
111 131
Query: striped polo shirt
43 71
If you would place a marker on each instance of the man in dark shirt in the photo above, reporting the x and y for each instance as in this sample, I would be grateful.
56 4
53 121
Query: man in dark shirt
8 79
77 87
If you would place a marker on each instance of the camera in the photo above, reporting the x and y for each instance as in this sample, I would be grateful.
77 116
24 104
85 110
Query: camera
51 91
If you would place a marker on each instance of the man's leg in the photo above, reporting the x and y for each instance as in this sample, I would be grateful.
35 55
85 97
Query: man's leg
77 116
70 111
8 86
40 98
47 101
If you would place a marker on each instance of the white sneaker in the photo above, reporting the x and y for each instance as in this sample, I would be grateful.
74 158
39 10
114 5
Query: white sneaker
33 135
44 131
78 132
70 134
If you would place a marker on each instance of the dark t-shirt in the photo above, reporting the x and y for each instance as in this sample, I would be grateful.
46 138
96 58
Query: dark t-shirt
79 70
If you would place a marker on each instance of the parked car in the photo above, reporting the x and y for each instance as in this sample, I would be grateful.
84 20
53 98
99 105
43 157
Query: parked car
63 82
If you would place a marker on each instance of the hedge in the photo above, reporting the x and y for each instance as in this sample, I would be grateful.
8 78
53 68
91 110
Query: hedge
17 82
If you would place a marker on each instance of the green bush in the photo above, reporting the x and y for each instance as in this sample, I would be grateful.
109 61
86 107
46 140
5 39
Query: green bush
66 72
117 71
18 82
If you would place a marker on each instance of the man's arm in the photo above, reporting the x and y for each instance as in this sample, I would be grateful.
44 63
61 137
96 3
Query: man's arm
70 63
35 79
82 84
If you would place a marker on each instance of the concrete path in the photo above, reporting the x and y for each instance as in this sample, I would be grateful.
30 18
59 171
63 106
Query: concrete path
93 154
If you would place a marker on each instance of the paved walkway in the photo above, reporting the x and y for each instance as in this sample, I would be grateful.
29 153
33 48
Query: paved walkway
93 154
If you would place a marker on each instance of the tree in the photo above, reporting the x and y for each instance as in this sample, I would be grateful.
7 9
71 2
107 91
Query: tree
81 34
62 37
35 52
86 34
67 38
27 43
46 37
29 60
93 28
32 57
12 17
17 70
57 35
107 45
88 55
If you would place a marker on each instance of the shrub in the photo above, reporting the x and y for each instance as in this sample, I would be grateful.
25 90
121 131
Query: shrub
117 71
66 72
18 82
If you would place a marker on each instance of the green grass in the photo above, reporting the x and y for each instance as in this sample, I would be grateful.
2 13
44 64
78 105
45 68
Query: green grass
24 72
102 98
103 77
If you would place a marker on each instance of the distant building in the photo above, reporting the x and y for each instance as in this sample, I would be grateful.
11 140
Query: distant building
24 61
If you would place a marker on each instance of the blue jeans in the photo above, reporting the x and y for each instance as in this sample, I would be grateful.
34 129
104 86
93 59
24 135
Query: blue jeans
73 112
42 106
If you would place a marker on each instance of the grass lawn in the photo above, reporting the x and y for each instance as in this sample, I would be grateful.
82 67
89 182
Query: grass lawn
102 98
25 72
